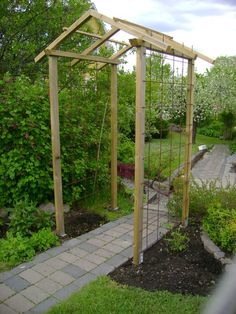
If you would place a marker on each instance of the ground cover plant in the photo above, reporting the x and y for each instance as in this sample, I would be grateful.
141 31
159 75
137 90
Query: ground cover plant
106 296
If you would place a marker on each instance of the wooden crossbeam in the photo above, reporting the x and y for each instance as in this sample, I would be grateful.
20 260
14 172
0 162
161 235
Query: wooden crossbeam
116 56
67 54
97 44
84 18
99 36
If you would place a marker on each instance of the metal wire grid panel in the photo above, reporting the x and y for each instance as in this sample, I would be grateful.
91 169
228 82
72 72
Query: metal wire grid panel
166 93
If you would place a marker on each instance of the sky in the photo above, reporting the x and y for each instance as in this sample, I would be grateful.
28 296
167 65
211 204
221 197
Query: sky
209 26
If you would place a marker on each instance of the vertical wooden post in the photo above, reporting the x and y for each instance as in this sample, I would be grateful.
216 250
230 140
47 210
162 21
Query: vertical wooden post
188 144
139 153
114 132
56 155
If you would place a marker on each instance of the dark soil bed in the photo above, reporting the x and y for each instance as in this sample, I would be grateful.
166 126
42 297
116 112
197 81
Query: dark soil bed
194 271
78 222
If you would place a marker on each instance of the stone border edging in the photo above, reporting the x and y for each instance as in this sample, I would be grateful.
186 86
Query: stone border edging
213 249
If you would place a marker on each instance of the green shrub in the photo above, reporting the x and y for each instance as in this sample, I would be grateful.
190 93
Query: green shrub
126 150
220 224
213 129
177 241
201 196
15 249
25 219
43 240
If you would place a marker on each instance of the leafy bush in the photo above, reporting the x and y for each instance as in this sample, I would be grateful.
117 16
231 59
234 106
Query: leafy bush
220 224
15 249
201 196
178 241
43 240
25 219
126 150
214 128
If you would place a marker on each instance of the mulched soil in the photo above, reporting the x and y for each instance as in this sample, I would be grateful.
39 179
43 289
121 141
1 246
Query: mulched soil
78 222
194 271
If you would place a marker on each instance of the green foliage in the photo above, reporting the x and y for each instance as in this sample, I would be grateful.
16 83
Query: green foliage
220 224
24 32
177 241
43 240
201 195
26 219
15 249
228 118
96 298
126 150
215 128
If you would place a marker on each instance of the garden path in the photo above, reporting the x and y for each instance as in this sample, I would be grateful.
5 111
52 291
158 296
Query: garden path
52 276
216 165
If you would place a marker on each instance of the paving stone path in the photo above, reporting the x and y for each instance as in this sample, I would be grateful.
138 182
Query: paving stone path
216 165
52 276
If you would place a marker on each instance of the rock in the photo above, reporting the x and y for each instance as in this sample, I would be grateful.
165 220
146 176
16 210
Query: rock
3 212
49 207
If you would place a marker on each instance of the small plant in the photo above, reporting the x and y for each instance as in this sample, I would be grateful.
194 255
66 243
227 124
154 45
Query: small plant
220 224
178 241
15 249
43 240
26 219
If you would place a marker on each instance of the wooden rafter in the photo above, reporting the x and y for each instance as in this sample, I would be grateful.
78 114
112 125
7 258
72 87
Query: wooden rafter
97 44
100 36
84 18
67 54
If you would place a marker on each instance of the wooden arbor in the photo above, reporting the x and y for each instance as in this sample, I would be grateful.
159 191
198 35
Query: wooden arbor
142 38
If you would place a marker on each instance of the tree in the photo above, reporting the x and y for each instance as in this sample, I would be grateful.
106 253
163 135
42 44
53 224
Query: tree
28 26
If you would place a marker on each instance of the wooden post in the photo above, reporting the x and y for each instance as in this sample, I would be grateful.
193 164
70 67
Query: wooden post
54 110
139 153
188 144
114 137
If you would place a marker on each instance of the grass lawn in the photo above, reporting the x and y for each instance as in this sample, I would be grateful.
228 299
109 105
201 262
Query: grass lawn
106 296
172 153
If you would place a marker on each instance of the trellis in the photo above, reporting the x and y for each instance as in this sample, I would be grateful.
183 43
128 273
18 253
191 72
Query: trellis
144 38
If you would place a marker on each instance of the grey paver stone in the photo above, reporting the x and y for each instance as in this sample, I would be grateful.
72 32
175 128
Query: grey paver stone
5 275
62 278
17 283
19 303
65 292
4 309
67 257
44 306
105 238
97 242
123 243
84 264
117 260
113 248
104 253
85 237
57 250
35 294
102 269
31 276
78 252
43 269
48 285
88 247
40 258
127 252
96 259
21 267
84 280
56 263
74 271
113 233
72 243
5 292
